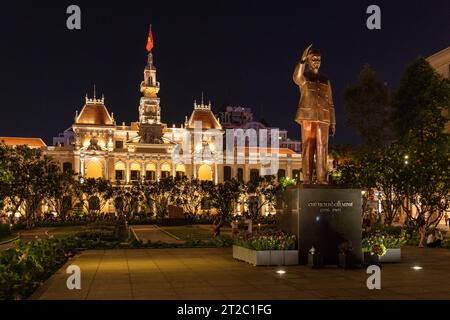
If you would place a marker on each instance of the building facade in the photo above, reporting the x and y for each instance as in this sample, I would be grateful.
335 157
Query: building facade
95 146
242 118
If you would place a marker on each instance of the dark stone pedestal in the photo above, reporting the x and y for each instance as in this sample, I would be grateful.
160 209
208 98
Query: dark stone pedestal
323 217
315 261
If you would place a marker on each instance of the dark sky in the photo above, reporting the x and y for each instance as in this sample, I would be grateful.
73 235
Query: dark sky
236 52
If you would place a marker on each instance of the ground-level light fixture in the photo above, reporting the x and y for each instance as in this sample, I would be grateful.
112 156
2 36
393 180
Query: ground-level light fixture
416 268
280 272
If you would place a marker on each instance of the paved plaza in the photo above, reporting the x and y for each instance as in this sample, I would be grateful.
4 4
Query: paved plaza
214 274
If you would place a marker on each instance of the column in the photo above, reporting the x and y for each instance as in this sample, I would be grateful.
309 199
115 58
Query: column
107 167
143 168
246 173
82 166
289 169
173 170
216 177
127 168
158 170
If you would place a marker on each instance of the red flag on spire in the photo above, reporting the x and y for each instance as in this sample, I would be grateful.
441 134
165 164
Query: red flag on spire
149 46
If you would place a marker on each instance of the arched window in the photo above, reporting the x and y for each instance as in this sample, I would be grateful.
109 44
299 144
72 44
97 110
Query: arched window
94 169
135 171
119 168
254 174
165 171
150 172
226 173
205 173
240 175
281 174
67 167
180 170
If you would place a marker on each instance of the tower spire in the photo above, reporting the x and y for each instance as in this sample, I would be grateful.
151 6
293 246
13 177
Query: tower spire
95 97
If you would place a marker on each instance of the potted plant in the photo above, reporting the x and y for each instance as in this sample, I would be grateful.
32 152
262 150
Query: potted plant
346 257
372 257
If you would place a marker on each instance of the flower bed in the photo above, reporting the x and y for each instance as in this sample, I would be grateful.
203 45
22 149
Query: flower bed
386 247
266 249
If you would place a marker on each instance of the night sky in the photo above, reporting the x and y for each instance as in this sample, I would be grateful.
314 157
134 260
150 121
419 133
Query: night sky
236 52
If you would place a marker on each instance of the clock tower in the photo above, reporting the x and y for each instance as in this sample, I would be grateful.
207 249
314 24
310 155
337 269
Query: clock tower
150 127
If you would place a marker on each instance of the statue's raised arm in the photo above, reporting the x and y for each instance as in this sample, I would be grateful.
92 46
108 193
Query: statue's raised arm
300 68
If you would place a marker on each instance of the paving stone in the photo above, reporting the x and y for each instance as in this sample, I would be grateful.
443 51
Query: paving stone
201 273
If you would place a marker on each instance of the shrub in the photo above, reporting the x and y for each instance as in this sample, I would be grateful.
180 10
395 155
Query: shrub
266 241
24 268
4 230
388 241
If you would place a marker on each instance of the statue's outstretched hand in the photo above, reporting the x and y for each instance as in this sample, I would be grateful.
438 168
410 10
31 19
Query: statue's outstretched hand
306 53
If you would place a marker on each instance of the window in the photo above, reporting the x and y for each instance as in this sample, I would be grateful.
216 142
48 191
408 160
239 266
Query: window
119 144
135 174
150 175
120 174
240 175
67 167
296 174
165 174
165 170
254 174
179 174
180 171
226 173
281 174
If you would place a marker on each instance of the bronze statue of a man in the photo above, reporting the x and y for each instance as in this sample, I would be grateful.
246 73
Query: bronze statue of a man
315 114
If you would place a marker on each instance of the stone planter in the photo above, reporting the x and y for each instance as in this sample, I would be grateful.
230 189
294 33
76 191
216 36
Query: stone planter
392 255
266 257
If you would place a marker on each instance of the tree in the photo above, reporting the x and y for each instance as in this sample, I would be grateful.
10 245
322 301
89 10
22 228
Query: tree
256 189
358 172
93 194
419 116
367 108
60 191
223 198
32 174
419 104
191 193
160 194
127 200
5 174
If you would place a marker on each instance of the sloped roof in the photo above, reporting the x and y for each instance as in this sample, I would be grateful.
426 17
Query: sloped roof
94 112
209 121
18 141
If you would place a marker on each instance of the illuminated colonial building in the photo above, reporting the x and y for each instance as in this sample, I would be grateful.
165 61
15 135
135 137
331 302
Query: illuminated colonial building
96 146
242 118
